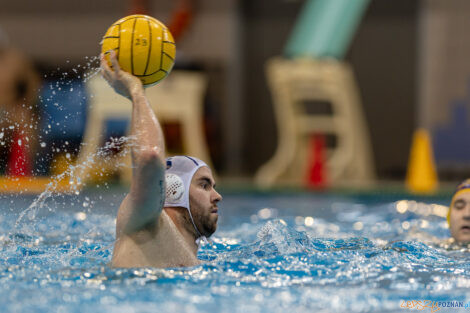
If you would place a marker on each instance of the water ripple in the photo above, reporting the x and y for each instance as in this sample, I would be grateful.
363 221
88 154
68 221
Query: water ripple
269 265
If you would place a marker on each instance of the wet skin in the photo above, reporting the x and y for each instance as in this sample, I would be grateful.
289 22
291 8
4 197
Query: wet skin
203 200
460 218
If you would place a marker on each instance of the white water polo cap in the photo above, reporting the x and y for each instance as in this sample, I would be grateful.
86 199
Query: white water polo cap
179 173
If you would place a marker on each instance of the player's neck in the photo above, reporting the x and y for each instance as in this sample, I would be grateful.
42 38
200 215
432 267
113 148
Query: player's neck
181 224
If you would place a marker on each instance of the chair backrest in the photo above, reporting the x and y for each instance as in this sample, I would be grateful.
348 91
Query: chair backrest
104 100
172 96
181 93
325 28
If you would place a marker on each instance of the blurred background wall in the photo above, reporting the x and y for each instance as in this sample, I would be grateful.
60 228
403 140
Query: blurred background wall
383 55
444 81
405 56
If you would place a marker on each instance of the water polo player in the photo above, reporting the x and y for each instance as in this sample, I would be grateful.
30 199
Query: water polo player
159 226
458 216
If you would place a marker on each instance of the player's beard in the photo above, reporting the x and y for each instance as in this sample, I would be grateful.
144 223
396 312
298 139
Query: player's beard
206 221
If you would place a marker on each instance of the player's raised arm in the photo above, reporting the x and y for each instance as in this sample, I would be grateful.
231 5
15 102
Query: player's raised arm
143 204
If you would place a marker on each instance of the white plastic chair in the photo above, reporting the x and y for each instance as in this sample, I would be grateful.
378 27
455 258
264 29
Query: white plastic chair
292 82
178 98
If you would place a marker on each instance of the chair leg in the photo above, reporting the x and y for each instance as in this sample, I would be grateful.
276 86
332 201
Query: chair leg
194 141
89 148
279 163
126 170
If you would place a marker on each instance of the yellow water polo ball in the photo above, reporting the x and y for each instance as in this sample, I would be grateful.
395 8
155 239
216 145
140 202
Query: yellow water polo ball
144 47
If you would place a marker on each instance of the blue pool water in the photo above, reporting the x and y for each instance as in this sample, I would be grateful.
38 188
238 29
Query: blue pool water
293 252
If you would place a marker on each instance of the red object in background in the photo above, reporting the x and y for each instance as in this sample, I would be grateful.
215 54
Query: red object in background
139 7
316 170
18 161
181 18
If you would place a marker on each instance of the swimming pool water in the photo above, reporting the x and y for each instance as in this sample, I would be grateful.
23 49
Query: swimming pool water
296 252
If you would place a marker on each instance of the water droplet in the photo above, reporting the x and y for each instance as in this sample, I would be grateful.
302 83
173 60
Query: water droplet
308 221
358 226
80 216
264 213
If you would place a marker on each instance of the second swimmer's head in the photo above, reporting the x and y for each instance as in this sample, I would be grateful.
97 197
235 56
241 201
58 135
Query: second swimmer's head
458 216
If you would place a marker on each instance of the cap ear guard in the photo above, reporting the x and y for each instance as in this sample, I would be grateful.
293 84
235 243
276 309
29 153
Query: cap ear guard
174 188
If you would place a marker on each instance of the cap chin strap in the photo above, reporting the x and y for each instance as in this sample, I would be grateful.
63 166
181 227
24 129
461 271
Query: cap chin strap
200 238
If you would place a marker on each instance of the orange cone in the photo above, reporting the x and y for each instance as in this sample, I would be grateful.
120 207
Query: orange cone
421 174
316 174
18 161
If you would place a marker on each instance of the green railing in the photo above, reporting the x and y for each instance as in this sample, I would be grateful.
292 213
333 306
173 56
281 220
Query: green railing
325 28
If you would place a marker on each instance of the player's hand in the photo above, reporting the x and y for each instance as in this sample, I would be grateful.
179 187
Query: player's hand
122 82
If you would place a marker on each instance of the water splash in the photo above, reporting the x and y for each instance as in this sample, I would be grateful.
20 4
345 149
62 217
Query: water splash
73 173
63 83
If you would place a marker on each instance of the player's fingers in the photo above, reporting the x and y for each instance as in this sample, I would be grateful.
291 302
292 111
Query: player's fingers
106 70
104 63
114 61
106 75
